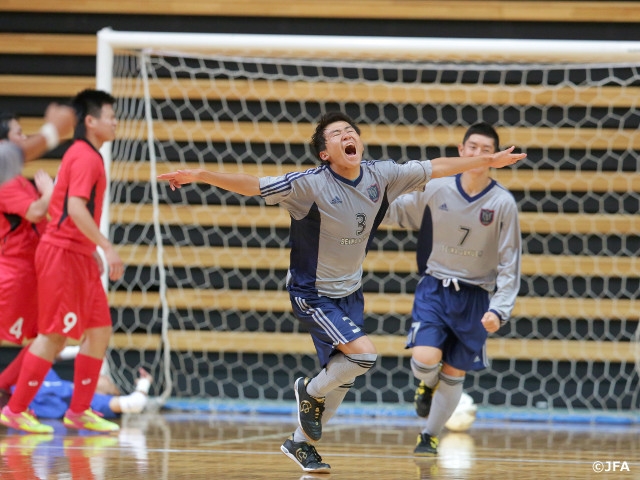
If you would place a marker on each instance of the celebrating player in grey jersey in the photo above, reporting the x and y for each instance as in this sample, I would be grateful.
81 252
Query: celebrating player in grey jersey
469 254
335 210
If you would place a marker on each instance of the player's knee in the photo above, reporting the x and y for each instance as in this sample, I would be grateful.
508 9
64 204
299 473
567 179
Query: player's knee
427 355
361 345
424 371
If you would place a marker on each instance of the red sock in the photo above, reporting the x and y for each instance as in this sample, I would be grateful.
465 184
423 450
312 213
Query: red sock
85 380
9 376
34 369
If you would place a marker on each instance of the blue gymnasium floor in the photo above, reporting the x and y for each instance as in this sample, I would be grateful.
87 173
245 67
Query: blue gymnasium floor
398 413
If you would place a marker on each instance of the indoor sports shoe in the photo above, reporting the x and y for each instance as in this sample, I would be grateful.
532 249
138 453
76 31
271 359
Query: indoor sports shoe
305 455
422 399
426 445
89 420
309 410
24 421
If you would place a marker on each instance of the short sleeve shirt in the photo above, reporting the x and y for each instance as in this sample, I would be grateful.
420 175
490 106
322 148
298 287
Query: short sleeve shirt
333 220
81 174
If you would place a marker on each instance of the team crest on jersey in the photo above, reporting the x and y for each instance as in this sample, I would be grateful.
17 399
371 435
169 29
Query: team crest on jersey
374 192
486 216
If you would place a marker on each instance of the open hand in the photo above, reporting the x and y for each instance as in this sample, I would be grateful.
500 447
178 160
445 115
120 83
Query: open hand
44 182
506 157
178 178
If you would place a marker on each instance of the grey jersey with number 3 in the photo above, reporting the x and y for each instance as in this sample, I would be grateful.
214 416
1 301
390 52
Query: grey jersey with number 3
334 219
473 239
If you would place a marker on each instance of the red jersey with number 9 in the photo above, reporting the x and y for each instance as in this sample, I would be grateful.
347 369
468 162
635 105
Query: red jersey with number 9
78 302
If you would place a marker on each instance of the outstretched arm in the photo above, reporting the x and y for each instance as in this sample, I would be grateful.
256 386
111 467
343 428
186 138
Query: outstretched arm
59 123
241 183
445 166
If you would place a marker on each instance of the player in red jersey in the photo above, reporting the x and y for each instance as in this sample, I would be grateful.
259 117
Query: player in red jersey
23 211
72 302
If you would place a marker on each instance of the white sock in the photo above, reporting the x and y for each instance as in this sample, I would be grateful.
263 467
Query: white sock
427 373
445 400
341 369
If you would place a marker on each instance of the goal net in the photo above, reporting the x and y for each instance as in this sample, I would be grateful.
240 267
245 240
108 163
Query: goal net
203 302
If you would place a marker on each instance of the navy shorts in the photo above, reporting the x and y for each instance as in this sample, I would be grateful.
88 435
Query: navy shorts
331 321
450 320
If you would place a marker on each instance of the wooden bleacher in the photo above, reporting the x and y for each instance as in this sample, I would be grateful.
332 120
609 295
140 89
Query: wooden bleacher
596 138
62 86
492 10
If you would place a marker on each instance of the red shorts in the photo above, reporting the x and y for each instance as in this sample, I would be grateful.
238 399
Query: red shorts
71 297
18 302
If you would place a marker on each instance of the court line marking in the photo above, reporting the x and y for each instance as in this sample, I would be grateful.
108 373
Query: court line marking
336 454
257 438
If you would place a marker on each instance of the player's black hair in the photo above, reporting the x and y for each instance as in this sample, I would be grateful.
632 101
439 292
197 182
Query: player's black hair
89 102
318 142
5 121
485 130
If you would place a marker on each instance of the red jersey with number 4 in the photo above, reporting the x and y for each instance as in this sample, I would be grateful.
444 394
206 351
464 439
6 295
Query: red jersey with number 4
18 242
82 175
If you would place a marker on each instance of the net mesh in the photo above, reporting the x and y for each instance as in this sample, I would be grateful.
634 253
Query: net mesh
219 260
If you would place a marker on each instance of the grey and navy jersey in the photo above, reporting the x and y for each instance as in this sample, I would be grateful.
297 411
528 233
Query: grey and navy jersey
472 239
334 219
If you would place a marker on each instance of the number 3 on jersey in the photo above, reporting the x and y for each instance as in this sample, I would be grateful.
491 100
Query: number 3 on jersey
361 220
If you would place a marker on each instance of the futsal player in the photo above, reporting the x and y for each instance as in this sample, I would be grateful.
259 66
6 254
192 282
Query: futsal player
335 210
23 212
468 253
72 302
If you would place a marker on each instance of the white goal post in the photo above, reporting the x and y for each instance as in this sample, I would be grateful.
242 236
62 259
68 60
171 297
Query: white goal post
203 303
